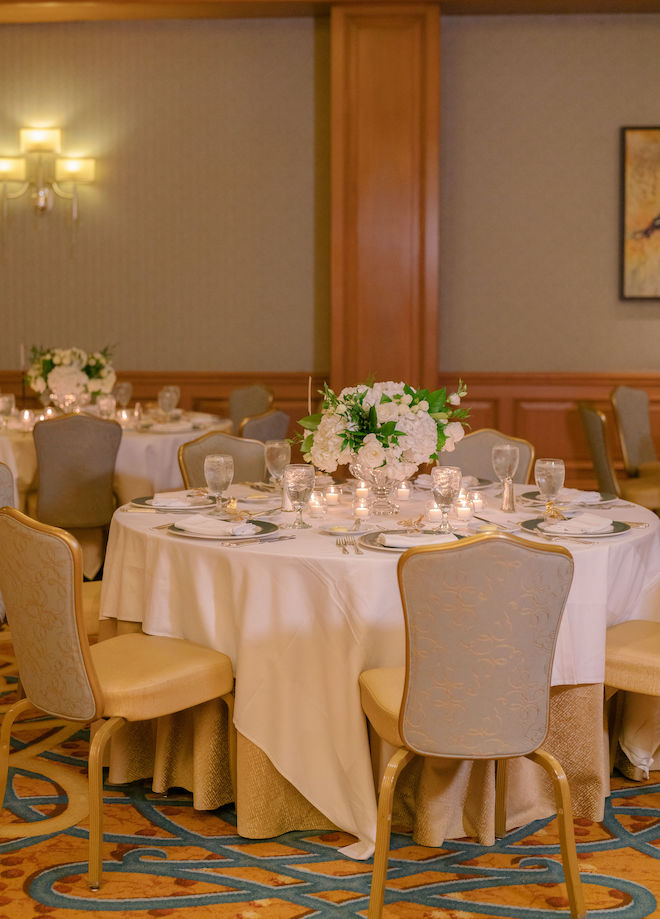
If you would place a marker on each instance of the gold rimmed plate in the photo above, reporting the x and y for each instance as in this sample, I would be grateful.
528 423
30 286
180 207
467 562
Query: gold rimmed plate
264 528
147 502
541 526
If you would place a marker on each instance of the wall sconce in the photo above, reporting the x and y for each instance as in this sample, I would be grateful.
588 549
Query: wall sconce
43 171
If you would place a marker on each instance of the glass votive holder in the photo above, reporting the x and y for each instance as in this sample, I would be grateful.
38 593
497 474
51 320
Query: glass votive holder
317 504
463 509
361 508
124 417
477 501
106 404
362 489
332 493
403 491
433 512
27 419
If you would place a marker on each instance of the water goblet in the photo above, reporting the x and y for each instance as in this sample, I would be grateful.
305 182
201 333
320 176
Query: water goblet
106 404
7 406
549 477
167 400
277 454
298 483
446 487
505 459
122 393
219 473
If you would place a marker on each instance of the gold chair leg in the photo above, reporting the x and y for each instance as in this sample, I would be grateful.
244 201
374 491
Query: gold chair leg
231 734
8 720
566 833
95 786
384 829
501 785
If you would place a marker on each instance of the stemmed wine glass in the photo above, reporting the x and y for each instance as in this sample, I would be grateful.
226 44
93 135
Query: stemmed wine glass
446 487
219 473
122 393
167 401
549 478
299 483
278 456
505 459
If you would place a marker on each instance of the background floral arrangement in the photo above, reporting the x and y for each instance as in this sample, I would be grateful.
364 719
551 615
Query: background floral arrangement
387 425
70 372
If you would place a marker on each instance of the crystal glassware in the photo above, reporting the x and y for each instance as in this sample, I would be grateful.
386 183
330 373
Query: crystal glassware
7 406
277 454
298 483
122 393
446 487
549 477
106 404
505 459
219 474
167 401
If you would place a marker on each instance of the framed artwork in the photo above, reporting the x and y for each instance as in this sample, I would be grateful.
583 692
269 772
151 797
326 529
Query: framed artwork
640 236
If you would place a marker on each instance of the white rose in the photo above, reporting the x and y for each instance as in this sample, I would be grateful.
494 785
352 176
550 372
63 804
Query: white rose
38 385
454 432
387 411
454 399
371 453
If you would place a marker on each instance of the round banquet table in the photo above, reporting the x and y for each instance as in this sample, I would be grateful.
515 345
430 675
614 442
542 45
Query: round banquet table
300 620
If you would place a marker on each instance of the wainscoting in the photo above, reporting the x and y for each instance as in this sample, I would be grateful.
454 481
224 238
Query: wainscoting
541 407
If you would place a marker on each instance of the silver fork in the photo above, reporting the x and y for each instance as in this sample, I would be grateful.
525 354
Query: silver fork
352 541
341 544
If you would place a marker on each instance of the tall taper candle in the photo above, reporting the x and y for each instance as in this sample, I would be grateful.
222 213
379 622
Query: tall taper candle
21 355
309 396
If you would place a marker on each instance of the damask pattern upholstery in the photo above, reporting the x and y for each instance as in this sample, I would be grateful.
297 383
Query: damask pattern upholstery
6 486
247 401
249 457
473 454
482 623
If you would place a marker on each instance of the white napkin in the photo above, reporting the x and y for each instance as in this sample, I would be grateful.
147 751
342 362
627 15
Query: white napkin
469 481
580 497
178 499
423 481
396 541
172 427
581 523
208 526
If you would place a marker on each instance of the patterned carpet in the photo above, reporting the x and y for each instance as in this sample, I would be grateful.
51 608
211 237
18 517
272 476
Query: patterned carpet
163 858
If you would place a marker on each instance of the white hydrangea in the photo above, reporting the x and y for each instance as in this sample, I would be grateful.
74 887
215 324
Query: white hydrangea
421 437
66 380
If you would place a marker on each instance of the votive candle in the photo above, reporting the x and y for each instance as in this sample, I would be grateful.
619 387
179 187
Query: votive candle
434 513
403 492
477 501
463 511
332 495
361 490
361 509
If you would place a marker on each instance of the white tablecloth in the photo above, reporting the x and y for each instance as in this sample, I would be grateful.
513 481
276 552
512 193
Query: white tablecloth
146 461
301 620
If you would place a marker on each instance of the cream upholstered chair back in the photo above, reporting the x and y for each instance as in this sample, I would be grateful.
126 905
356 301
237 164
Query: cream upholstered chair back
272 425
473 454
633 423
595 429
247 401
482 617
6 486
249 462
76 457
40 582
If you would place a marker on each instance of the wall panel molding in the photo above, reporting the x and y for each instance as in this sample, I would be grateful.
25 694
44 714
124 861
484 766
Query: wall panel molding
540 407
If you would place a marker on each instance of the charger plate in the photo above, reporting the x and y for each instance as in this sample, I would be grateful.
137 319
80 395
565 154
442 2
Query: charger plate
618 527
264 527
147 501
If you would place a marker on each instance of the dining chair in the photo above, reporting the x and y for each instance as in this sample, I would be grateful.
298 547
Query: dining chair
482 617
644 490
247 401
76 457
473 454
632 664
130 677
249 461
633 424
6 486
272 425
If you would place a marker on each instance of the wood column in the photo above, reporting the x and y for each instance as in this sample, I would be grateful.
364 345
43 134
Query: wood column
385 104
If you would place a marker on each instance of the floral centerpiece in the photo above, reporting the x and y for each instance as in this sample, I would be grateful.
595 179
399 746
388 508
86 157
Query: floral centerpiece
70 376
383 431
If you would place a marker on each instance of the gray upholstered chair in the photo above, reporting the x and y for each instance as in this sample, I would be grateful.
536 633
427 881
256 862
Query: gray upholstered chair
633 424
249 462
247 401
644 490
7 497
482 617
131 677
76 457
272 425
473 454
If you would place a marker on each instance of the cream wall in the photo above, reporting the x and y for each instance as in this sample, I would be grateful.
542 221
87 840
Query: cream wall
530 186
203 244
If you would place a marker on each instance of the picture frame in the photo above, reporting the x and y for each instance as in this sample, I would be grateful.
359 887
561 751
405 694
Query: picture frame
640 213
